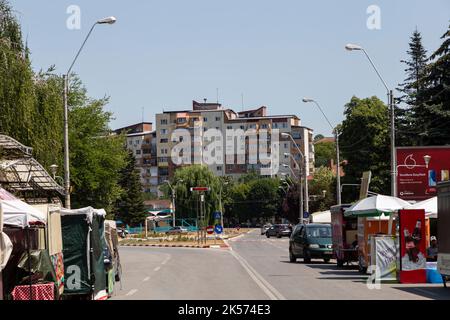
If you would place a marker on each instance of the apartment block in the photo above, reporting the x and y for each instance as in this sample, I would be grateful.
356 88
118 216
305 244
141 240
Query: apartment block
141 141
246 155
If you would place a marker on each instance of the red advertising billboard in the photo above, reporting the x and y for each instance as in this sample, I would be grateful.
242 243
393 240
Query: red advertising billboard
414 180
413 261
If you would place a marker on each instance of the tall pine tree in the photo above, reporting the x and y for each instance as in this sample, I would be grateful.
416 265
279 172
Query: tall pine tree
408 116
130 206
436 96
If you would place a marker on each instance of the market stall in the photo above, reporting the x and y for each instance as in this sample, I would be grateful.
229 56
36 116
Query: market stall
344 229
83 251
112 257
375 216
28 275
5 250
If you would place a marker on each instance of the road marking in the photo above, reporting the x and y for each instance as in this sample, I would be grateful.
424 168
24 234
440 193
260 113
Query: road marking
166 260
157 269
131 292
146 279
265 286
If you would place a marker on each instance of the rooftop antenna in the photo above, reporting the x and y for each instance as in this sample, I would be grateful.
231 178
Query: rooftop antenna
217 93
242 102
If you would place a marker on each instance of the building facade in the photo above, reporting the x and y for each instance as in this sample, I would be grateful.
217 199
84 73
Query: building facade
141 141
234 156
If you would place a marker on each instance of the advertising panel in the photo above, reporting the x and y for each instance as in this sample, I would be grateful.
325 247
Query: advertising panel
412 246
415 180
385 248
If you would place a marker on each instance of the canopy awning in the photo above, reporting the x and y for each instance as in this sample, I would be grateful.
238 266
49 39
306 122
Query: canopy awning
89 212
430 206
321 217
376 206
157 212
17 213
21 173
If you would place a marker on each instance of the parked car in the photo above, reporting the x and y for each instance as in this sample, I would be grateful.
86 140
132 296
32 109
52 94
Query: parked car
278 230
264 228
176 230
311 241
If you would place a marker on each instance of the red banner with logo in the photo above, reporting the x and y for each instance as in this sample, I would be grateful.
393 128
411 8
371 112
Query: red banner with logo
416 180
413 261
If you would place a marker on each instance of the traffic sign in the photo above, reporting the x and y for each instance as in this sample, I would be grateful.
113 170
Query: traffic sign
217 215
218 229
305 215
200 189
210 230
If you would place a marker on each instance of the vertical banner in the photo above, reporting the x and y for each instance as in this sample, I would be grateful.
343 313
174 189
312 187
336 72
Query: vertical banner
386 258
412 246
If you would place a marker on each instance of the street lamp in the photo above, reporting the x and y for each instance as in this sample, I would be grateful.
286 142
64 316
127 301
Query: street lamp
220 205
305 175
390 93
173 198
300 193
108 20
336 135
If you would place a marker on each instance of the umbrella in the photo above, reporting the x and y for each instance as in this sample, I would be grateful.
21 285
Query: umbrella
430 206
376 206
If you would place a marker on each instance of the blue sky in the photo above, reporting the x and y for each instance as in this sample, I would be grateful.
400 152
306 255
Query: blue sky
163 54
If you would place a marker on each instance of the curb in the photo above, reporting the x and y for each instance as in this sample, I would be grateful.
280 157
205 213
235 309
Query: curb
221 246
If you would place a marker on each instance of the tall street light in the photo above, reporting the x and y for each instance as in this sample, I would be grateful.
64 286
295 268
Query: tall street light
174 195
300 189
108 20
390 93
336 134
305 174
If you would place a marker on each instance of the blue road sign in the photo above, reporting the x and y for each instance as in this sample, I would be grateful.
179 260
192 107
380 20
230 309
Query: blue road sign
217 215
218 229
305 215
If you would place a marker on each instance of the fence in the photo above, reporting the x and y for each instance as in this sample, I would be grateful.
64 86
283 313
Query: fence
189 224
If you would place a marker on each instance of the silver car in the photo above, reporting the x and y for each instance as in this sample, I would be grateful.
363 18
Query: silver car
177 230
264 228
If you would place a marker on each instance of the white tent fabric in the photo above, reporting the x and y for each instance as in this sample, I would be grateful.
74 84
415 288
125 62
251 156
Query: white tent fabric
5 243
88 212
377 205
430 206
17 213
321 217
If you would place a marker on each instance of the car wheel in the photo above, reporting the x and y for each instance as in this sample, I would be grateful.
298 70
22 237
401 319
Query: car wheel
340 263
292 258
306 257
267 235
326 260
278 236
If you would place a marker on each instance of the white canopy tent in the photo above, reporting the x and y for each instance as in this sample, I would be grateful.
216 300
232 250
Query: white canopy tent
5 245
17 213
430 206
321 217
376 206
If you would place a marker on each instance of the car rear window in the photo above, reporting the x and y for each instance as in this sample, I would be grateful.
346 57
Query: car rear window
318 232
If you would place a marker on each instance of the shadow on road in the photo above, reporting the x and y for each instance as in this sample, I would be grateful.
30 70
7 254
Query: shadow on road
436 293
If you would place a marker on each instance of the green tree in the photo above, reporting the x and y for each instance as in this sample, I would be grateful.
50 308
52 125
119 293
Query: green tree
435 109
318 137
130 205
323 153
364 143
323 181
187 201
409 120
264 198
96 156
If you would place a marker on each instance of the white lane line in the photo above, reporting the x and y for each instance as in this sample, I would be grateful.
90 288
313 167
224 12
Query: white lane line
131 292
265 286
146 279
166 260
157 269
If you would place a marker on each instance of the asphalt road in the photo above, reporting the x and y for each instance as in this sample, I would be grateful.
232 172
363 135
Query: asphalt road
254 268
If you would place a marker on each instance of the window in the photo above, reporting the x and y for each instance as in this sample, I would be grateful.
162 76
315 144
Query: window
219 168
138 151
284 125
229 127
242 127
264 126
163 121
163 131
286 146
195 119
275 125
136 142
164 140
205 119
181 120
218 118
